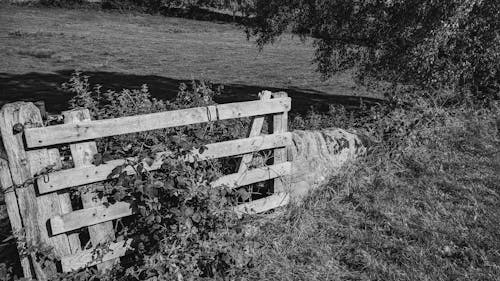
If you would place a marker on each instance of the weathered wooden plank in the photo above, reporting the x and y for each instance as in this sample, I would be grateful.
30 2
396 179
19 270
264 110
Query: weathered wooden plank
11 114
255 130
48 205
263 205
254 175
89 216
35 211
94 256
64 200
280 125
89 174
83 154
11 204
67 133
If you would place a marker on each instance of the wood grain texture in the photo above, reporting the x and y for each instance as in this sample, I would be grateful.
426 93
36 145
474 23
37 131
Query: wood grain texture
280 125
95 256
89 216
83 154
64 200
67 133
255 130
34 211
254 175
263 205
11 204
89 174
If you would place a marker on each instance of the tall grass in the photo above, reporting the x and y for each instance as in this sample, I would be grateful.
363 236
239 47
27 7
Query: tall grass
423 205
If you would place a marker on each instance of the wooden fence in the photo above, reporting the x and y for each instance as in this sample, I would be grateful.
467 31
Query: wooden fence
40 208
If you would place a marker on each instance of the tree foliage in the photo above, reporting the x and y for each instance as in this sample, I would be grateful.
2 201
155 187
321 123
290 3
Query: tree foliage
155 6
437 44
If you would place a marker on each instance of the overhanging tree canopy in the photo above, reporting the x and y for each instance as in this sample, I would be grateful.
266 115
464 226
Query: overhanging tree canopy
431 43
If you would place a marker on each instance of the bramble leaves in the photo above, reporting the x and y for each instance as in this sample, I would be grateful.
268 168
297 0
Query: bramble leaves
179 216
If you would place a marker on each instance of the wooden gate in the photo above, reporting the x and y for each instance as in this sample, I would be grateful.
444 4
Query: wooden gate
39 204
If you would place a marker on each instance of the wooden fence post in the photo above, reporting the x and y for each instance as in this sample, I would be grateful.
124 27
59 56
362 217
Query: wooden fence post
12 206
35 210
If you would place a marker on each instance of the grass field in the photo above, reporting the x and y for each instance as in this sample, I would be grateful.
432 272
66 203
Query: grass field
423 205
41 47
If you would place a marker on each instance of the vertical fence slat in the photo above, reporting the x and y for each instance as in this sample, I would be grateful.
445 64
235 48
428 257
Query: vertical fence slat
44 207
35 211
255 130
83 155
65 201
280 125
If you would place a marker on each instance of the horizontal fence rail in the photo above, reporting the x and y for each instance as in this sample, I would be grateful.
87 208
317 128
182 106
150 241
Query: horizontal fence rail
90 174
89 216
67 133
99 214
263 205
94 256
254 175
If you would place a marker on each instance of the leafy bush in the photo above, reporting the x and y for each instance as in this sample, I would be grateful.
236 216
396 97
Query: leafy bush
431 44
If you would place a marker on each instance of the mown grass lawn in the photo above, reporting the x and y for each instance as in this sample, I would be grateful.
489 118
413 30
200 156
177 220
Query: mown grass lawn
49 43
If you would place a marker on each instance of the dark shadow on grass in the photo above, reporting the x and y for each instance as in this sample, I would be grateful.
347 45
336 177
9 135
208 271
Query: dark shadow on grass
47 87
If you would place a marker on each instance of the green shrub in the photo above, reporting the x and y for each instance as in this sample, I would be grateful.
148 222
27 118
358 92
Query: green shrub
184 228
